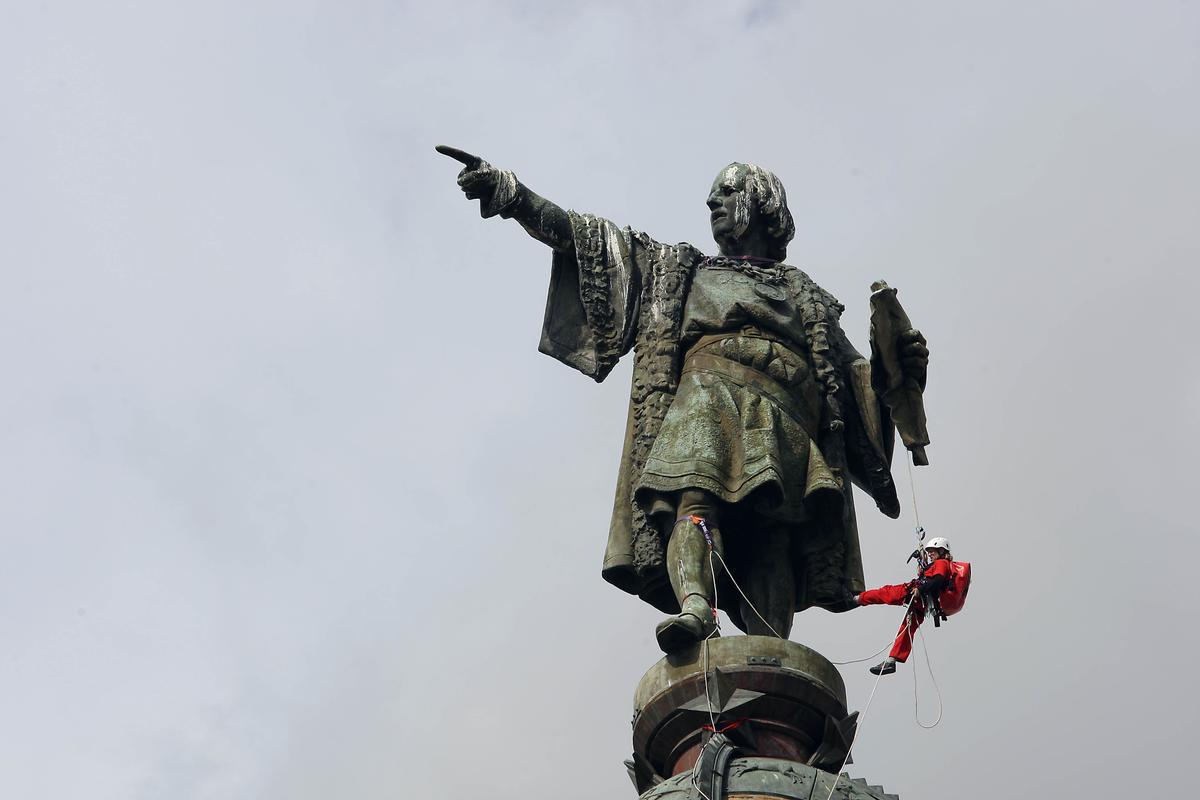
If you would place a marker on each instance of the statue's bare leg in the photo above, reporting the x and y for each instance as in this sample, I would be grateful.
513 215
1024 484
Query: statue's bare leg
690 568
769 583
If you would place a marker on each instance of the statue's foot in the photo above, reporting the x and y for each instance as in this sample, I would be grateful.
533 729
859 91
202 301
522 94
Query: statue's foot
686 629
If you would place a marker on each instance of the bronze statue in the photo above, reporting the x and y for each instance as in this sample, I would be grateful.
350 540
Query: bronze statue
750 412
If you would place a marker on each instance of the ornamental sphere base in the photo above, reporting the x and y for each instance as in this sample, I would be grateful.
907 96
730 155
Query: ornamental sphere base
744 717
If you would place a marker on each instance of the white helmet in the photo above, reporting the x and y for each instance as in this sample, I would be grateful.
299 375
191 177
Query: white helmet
938 542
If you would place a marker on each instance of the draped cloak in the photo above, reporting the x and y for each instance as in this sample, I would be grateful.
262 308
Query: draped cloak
619 290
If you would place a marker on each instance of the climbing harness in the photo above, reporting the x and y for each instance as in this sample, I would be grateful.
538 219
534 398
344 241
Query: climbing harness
929 601
953 596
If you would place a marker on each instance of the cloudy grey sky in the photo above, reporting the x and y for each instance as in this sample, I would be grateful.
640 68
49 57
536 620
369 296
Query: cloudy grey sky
290 506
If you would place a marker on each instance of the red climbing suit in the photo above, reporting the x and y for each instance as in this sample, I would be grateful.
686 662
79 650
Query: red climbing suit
897 594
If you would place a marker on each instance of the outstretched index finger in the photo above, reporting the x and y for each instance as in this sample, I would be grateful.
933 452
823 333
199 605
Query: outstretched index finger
462 156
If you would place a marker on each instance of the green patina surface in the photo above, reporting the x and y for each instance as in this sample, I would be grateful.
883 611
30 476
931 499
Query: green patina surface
747 401
769 777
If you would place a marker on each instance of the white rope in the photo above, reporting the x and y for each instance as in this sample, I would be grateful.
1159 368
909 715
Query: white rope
743 594
863 717
920 533
838 774
715 632
855 741
712 718
912 486
865 658
874 687
716 603
916 704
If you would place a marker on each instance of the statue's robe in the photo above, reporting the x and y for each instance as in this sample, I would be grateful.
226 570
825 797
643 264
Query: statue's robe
619 290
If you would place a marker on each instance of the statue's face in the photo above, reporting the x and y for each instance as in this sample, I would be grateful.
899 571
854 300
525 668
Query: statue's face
733 211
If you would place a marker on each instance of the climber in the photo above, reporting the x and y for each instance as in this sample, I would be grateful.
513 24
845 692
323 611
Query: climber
942 583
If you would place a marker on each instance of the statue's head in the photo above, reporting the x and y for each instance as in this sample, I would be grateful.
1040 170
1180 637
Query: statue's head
749 201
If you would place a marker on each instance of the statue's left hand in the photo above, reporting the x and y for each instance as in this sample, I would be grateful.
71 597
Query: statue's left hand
914 355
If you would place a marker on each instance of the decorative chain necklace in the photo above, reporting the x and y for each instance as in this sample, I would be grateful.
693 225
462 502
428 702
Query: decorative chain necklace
769 276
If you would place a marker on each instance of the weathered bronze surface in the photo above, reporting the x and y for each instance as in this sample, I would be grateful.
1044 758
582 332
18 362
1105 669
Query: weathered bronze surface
772 779
750 412
771 697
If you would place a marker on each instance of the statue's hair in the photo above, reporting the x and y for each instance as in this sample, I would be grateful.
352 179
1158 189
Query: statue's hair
764 188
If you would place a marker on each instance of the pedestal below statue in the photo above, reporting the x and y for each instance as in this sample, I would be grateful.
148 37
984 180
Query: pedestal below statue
744 717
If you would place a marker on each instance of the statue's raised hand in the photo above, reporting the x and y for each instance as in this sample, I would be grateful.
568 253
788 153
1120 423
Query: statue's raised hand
914 355
477 177
496 190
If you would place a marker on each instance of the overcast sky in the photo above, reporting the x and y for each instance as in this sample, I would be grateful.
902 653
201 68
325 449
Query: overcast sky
291 507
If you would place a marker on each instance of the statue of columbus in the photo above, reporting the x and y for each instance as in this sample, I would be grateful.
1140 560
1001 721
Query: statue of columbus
750 413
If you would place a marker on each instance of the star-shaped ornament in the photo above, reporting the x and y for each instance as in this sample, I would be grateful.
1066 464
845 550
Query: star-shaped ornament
718 697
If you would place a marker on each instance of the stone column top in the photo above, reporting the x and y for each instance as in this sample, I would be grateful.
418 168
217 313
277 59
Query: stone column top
740 653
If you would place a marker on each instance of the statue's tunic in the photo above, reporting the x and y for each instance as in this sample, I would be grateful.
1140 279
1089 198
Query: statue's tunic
748 406
727 397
